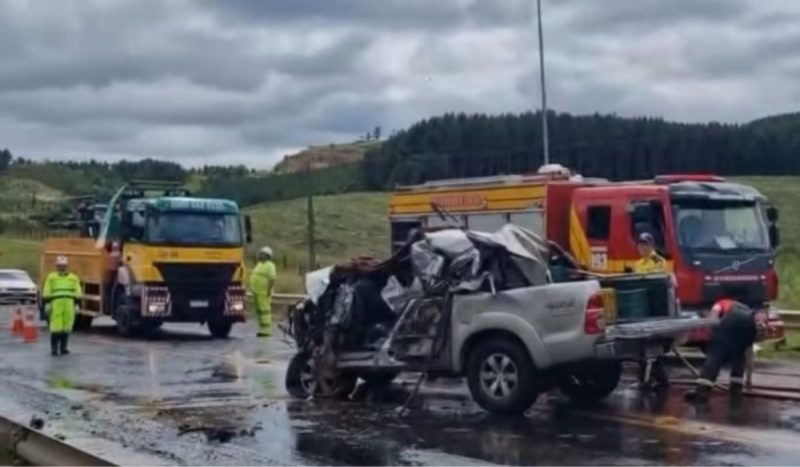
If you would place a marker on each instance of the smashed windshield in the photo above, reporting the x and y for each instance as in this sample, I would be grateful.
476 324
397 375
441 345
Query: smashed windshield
191 228
716 225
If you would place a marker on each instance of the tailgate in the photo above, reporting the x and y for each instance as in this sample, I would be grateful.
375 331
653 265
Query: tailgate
658 328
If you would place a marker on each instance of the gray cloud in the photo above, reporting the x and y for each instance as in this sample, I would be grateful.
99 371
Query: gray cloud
248 80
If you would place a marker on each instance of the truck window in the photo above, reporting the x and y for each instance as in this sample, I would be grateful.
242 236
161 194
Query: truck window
648 217
599 222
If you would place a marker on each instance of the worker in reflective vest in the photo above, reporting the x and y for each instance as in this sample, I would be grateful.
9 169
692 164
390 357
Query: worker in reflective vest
62 290
731 341
262 281
652 373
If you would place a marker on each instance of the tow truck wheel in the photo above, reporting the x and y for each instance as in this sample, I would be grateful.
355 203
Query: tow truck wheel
500 376
591 382
83 322
220 329
301 382
122 314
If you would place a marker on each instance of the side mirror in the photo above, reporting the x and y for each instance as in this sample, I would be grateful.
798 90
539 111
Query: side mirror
774 236
248 229
772 214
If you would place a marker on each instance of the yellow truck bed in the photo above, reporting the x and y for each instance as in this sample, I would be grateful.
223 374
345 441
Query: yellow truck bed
91 264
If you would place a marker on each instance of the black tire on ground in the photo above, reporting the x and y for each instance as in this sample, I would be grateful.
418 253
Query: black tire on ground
83 322
220 329
501 376
591 382
382 379
122 315
300 382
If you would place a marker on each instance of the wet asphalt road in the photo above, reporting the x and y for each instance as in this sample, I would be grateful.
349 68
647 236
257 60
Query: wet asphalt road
132 400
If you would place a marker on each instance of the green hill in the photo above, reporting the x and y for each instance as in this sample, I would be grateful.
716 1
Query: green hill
355 224
23 194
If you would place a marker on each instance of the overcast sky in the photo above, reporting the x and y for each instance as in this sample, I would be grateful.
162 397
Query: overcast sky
246 81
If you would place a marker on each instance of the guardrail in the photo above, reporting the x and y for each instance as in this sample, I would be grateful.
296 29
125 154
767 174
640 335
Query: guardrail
791 319
36 448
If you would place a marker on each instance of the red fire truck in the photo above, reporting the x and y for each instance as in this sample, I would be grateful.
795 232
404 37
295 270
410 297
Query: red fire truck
718 237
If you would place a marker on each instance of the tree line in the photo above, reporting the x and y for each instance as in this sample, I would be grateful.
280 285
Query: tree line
460 145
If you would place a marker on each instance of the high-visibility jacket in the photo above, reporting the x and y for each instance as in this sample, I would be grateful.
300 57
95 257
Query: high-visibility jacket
61 292
650 263
262 280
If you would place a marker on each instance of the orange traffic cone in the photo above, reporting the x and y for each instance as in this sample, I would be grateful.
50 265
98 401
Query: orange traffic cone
17 324
30 332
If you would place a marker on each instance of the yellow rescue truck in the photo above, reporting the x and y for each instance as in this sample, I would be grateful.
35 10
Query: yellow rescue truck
156 254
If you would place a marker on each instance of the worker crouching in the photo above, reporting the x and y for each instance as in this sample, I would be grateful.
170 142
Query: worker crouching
731 340
61 292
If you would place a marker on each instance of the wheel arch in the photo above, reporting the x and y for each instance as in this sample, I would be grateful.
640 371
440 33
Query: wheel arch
477 338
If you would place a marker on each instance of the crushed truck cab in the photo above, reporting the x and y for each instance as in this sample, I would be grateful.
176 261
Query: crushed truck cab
164 258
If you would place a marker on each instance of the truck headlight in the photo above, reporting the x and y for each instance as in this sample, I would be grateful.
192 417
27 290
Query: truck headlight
154 308
237 306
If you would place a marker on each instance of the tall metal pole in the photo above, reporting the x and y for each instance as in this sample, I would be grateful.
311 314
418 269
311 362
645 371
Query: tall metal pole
312 250
545 142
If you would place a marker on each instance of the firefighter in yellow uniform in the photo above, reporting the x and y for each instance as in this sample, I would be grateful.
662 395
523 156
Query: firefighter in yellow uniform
62 290
650 260
652 374
262 281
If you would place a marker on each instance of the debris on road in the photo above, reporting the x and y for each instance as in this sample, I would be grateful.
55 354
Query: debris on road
36 423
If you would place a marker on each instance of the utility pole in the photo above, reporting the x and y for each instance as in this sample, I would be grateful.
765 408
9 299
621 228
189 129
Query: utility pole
545 142
312 251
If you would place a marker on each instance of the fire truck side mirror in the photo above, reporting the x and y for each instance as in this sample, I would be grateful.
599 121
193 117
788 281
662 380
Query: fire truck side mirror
772 214
248 229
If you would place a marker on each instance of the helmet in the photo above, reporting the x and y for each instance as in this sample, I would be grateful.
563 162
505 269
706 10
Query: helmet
645 239
62 261
266 251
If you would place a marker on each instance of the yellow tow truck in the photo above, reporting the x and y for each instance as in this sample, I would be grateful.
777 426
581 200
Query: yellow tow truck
157 254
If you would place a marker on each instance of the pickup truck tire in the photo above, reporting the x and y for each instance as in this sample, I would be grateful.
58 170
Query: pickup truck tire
591 382
301 384
501 376
220 329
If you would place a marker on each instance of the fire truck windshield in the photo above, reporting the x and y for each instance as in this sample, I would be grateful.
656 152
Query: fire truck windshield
193 229
712 225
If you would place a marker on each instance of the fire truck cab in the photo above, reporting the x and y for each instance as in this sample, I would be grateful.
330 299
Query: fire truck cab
718 237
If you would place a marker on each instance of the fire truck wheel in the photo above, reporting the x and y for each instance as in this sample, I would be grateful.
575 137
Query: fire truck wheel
220 329
591 382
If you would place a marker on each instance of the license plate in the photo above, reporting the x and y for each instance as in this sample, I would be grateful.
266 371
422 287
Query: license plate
199 304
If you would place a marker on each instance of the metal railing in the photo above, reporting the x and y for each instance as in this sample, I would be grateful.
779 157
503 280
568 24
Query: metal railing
791 319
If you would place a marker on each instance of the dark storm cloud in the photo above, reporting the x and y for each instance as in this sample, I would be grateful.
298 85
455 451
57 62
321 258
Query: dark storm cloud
249 80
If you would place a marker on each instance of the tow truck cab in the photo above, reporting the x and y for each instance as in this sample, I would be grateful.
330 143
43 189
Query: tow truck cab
718 238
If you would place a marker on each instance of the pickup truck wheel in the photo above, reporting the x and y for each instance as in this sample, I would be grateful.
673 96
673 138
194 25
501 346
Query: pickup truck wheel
500 376
302 384
220 329
591 382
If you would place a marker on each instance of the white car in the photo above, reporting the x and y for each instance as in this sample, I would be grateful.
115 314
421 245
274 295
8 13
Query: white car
17 288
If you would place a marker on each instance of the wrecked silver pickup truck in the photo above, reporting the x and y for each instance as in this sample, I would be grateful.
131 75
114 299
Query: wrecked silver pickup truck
485 306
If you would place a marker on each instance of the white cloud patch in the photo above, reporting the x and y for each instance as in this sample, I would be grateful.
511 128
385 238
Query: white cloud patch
247 81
